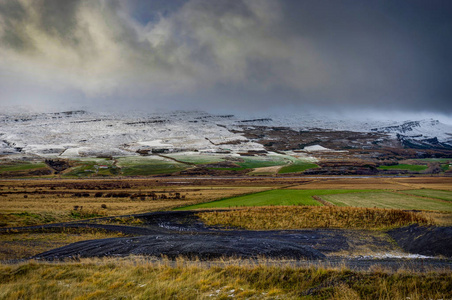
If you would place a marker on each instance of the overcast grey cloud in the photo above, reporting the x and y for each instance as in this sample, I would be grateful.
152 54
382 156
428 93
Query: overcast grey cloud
227 55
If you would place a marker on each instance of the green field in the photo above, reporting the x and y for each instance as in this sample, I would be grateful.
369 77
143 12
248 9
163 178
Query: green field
387 200
261 162
21 166
445 167
244 162
353 198
415 168
142 166
443 195
274 197
197 159
297 166
87 167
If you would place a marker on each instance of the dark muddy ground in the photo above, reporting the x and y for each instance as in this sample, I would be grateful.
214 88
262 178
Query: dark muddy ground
428 240
174 234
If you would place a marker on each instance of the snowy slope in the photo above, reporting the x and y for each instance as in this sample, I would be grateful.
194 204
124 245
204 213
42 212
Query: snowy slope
88 134
81 133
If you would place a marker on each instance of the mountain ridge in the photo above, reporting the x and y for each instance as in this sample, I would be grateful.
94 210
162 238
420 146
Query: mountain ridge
83 133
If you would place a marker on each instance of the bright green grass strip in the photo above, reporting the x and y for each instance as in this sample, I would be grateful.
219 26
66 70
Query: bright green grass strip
256 162
273 197
298 166
387 200
21 167
152 169
129 166
445 167
416 168
252 163
443 195
197 159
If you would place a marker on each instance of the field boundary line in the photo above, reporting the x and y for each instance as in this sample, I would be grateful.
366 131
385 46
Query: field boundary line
392 181
176 160
324 202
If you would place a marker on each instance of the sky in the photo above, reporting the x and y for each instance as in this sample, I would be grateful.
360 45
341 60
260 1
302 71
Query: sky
248 56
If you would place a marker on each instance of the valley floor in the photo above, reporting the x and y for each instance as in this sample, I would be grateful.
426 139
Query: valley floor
120 228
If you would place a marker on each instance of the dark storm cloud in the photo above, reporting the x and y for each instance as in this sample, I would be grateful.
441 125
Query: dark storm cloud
390 52
223 54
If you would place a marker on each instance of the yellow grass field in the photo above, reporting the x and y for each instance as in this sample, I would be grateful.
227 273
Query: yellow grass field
38 202
138 278
297 217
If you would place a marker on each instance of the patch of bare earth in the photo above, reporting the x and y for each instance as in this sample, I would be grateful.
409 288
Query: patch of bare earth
266 170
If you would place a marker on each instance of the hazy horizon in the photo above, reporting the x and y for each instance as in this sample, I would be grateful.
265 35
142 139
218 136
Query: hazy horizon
357 59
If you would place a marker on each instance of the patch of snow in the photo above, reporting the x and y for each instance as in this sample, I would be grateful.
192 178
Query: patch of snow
155 143
316 148
394 255
71 152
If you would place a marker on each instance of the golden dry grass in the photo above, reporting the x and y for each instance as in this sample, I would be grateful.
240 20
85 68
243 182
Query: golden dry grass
439 218
139 278
24 203
296 217
435 183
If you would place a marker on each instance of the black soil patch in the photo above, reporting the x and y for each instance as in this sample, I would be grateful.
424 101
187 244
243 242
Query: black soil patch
193 246
425 240
181 233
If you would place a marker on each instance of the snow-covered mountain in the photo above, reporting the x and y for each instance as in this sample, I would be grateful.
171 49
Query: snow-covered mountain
81 133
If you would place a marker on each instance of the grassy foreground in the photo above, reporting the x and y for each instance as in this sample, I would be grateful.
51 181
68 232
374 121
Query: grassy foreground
140 279
296 217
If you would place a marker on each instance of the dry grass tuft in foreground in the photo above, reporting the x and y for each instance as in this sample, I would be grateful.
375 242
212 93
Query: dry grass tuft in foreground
142 279
296 217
